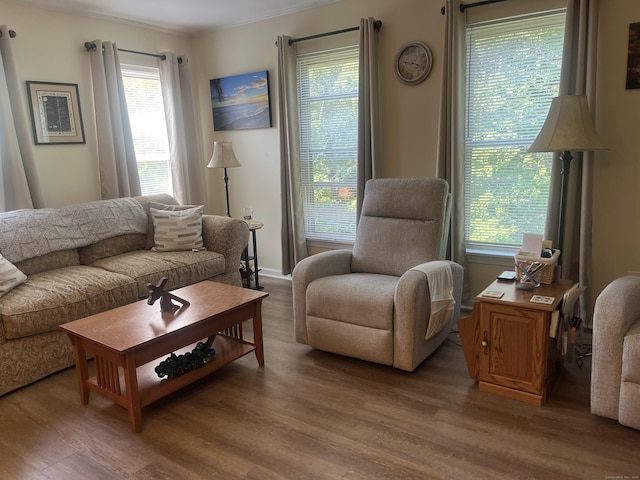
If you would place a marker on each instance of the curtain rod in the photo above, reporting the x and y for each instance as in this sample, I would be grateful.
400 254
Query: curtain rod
92 46
463 6
377 25
12 34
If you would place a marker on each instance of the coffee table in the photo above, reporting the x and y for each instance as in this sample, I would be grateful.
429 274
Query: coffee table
128 342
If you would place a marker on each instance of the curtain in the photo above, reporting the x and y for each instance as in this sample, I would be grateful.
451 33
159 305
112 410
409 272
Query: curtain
186 169
368 109
294 244
18 174
578 77
450 154
116 155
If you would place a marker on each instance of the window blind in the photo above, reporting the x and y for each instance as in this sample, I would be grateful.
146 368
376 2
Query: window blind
328 122
513 72
148 127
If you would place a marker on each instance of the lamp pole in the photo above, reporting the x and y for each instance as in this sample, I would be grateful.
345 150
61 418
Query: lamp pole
566 163
226 189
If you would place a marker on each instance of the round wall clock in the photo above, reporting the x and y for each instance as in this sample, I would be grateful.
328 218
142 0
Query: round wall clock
413 62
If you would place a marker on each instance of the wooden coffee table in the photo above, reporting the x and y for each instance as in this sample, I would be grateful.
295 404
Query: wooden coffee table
128 342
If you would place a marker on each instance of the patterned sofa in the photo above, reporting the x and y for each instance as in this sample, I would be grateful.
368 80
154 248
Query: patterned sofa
91 257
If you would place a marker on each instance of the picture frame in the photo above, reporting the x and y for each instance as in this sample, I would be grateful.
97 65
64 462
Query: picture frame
633 57
241 102
56 115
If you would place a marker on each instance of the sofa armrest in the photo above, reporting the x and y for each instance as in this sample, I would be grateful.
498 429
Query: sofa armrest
334 262
617 308
229 237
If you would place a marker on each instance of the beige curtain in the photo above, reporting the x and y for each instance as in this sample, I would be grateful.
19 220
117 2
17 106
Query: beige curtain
187 169
451 132
18 174
368 109
294 244
116 155
578 78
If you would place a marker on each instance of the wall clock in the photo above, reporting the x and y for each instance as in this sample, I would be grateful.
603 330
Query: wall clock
413 62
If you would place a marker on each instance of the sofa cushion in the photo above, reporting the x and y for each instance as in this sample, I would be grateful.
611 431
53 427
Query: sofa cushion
10 276
49 261
180 268
52 298
161 206
177 230
111 246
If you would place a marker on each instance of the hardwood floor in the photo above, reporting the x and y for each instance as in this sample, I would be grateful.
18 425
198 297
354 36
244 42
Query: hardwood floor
313 415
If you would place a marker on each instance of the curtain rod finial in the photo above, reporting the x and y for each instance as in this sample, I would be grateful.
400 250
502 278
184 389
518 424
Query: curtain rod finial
90 46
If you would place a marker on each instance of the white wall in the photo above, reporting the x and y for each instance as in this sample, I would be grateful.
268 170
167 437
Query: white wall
49 47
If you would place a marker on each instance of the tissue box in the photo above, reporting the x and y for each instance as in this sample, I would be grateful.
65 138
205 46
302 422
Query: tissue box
546 273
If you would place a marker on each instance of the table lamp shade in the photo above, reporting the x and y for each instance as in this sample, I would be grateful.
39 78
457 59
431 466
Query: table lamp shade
223 156
568 127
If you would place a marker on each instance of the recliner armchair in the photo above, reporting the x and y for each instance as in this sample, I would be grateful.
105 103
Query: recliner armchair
375 302
615 372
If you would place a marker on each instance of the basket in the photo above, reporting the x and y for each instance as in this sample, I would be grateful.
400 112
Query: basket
546 273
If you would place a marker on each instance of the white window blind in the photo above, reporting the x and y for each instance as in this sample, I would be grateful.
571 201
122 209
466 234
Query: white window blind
328 117
148 127
513 72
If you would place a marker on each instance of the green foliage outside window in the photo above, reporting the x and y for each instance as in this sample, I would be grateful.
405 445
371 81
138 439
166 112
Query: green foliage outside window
513 72
328 111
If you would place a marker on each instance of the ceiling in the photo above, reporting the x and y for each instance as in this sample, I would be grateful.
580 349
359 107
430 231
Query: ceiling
185 16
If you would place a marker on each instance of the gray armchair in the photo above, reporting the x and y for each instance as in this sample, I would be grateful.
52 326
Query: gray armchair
615 373
392 300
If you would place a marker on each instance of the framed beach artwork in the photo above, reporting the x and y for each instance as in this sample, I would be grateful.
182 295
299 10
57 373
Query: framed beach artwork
241 102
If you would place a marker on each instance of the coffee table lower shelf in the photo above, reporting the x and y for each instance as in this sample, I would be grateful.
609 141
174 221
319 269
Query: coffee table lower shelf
152 388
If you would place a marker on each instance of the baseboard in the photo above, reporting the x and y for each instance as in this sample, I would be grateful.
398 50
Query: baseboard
269 272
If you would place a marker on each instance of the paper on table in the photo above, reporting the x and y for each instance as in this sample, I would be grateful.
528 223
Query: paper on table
531 244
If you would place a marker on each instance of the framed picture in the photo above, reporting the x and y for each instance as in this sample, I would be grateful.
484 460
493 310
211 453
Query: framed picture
241 101
633 57
55 113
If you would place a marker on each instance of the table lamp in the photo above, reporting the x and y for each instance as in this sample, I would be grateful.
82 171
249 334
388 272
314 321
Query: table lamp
568 128
223 157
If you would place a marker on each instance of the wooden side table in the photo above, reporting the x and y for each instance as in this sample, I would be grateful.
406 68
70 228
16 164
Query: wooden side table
254 226
506 341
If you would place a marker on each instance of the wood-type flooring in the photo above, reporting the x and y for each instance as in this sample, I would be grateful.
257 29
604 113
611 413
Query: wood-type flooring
308 414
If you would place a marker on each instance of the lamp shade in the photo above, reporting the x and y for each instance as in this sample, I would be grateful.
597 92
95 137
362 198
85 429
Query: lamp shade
568 127
223 156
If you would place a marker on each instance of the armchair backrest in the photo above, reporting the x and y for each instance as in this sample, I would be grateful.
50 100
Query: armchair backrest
404 222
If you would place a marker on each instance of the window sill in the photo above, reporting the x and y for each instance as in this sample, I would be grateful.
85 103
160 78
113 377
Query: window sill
325 244
491 256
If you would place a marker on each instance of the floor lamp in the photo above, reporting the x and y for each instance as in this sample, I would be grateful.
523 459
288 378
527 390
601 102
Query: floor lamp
223 157
568 128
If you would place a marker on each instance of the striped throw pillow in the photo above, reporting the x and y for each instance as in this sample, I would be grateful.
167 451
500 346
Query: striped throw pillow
177 230
10 276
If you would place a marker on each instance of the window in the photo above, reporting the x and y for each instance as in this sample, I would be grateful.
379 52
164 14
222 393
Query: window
513 72
328 117
148 127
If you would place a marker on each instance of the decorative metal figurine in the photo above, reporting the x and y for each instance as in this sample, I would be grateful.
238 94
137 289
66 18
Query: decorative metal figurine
157 292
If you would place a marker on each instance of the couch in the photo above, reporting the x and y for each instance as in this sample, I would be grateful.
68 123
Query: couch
615 372
87 258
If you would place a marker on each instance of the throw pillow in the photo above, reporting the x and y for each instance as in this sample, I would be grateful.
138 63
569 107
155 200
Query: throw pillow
160 206
10 276
177 230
